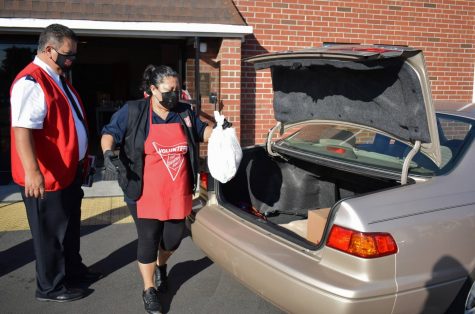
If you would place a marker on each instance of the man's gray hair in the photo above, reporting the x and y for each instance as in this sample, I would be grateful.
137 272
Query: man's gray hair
54 34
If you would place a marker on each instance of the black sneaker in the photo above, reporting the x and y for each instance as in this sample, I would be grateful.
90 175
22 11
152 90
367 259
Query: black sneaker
161 278
151 301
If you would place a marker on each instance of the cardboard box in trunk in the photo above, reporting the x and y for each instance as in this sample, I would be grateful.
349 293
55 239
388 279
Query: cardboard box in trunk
297 226
317 219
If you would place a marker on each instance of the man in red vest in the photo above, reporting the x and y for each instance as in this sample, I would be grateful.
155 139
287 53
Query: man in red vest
48 146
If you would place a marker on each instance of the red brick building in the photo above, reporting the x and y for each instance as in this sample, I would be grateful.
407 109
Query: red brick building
444 30
119 37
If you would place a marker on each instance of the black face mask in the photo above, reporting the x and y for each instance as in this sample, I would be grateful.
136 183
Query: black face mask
65 62
169 100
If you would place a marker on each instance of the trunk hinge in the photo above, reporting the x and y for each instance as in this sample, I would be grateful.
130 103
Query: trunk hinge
407 162
269 139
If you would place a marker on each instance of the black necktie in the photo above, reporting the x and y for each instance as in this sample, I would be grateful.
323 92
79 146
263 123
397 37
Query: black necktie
73 102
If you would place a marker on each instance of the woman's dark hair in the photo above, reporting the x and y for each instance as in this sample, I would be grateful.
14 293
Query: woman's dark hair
55 34
154 75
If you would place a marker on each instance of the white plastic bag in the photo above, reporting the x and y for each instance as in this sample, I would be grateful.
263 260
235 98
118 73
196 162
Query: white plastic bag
224 151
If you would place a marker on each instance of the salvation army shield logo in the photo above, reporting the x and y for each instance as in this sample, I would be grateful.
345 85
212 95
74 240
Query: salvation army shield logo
172 156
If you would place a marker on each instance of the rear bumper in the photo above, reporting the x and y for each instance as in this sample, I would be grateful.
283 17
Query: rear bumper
289 277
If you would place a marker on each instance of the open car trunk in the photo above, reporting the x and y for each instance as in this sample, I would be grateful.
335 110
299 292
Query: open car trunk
291 197
382 88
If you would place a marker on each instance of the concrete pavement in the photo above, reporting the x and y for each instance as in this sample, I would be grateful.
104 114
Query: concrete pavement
196 284
102 204
108 245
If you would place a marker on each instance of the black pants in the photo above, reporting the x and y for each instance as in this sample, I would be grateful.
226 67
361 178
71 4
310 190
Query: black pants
153 233
55 224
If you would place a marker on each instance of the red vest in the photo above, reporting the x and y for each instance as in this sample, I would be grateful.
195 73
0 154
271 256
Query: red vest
57 143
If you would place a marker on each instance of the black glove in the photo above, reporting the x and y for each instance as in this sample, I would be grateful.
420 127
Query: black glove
226 124
110 161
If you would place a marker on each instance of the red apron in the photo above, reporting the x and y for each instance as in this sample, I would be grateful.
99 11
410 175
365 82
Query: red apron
166 190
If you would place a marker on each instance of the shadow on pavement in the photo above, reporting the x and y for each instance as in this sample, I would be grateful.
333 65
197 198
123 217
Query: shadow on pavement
16 257
178 275
117 259
113 262
21 254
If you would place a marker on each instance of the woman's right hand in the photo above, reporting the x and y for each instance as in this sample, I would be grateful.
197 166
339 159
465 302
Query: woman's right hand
110 161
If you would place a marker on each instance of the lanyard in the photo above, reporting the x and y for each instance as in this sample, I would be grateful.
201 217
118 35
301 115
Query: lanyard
73 102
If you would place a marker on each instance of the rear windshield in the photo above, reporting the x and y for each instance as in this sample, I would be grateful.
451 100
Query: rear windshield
368 148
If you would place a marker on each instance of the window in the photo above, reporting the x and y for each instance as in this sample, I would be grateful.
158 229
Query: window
363 147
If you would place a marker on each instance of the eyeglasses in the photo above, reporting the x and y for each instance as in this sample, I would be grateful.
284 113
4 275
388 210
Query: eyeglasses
69 56
177 91
162 91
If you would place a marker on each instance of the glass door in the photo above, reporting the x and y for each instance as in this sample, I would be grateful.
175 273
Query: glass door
14 56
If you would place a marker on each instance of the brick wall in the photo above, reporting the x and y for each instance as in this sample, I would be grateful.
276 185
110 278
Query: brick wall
454 130
223 63
229 57
444 30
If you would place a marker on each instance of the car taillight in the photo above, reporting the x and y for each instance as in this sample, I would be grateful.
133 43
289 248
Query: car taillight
206 182
361 244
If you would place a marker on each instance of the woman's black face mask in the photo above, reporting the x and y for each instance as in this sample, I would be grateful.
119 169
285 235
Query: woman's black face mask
169 100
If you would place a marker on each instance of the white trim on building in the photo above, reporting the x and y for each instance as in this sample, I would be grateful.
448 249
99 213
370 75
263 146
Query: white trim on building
127 29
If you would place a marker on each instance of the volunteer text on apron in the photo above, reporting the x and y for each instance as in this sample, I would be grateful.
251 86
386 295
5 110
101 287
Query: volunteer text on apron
166 190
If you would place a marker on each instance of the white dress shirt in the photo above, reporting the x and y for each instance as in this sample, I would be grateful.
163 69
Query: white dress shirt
28 106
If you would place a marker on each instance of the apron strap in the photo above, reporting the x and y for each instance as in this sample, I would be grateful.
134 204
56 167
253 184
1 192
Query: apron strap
192 146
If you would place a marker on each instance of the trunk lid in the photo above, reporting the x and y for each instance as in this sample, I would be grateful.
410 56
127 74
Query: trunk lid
383 87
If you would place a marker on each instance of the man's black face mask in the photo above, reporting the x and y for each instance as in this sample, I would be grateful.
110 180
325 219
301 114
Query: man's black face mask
169 99
65 62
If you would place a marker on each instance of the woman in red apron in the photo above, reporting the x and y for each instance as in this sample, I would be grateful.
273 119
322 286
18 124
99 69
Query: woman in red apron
166 193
